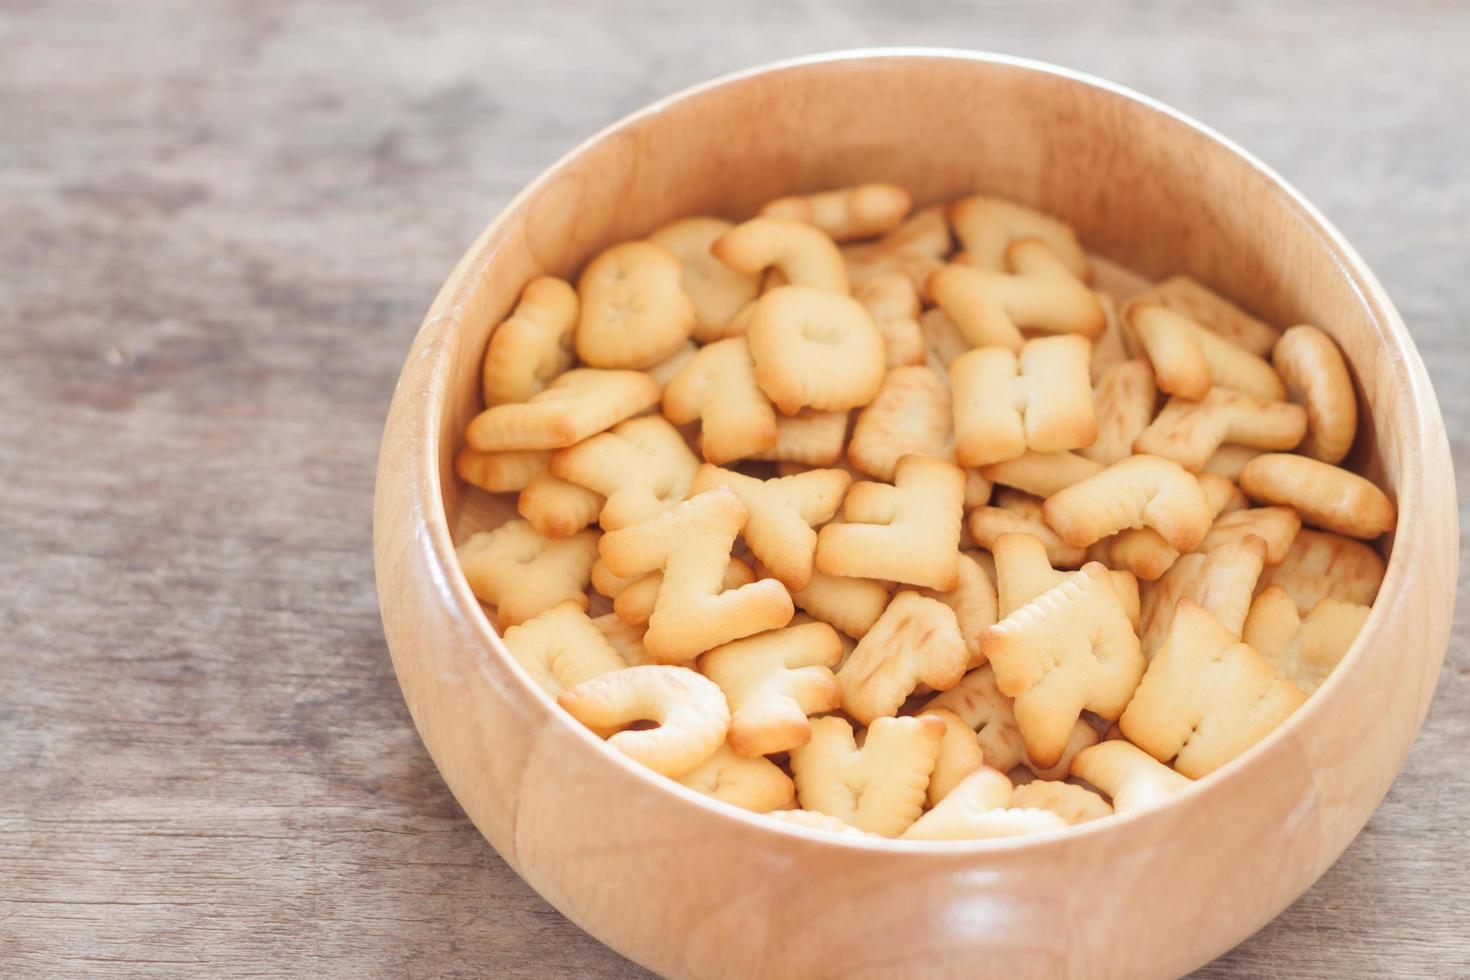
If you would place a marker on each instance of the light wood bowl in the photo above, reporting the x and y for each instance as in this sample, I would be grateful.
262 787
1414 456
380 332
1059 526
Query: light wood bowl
689 887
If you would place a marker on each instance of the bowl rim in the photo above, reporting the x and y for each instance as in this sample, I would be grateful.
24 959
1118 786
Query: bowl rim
1407 369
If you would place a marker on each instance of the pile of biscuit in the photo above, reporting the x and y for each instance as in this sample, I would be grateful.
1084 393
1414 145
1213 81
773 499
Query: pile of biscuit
913 541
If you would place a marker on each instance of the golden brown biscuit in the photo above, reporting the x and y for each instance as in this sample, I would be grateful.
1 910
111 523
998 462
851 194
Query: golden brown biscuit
974 603
689 709
1187 297
911 414
1276 526
691 544
1326 496
809 437
636 600
783 512
852 605
959 754
533 345
1133 778
772 682
1073 804
1005 404
915 248
1021 513
1222 581
978 809
988 226
1188 359
908 532
625 639
943 341
580 403
1326 566
916 641
815 349
1229 460
1317 376
1302 649
1140 491
1143 552
1191 432
523 573
846 213
1039 293
634 310
1023 572
560 647
803 254
880 787
556 508
717 291
1123 397
893 302
505 472
1206 697
1070 649
643 467
1042 474
756 784
718 388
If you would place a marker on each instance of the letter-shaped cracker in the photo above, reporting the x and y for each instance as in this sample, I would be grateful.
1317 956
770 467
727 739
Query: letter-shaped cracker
634 310
978 809
773 681
1276 526
979 703
1188 359
557 508
1140 491
1109 348
643 467
959 755
992 308
1042 474
691 543
1021 513
1317 377
561 648
635 601
1005 404
911 414
1074 804
815 348
1124 398
1023 572
783 512
804 255
974 603
533 345
663 372
580 403
756 784
717 291
718 388
851 605
690 711
505 472
909 532
893 303
1326 496
915 248
1190 432
625 639
846 213
1143 552
812 820
987 226
522 573
916 641
943 341
1326 566
1206 697
1229 460
1072 648
1133 778
1302 649
878 788
1187 297
809 437
1221 581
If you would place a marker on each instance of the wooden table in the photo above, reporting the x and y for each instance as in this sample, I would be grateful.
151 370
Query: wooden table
219 227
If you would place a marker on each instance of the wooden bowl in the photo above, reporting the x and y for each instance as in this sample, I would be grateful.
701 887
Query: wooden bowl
690 887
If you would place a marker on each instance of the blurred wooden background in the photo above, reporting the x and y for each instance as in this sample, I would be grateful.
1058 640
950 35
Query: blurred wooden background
220 222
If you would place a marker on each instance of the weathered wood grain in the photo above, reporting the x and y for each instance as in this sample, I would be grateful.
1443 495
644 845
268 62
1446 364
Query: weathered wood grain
219 226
